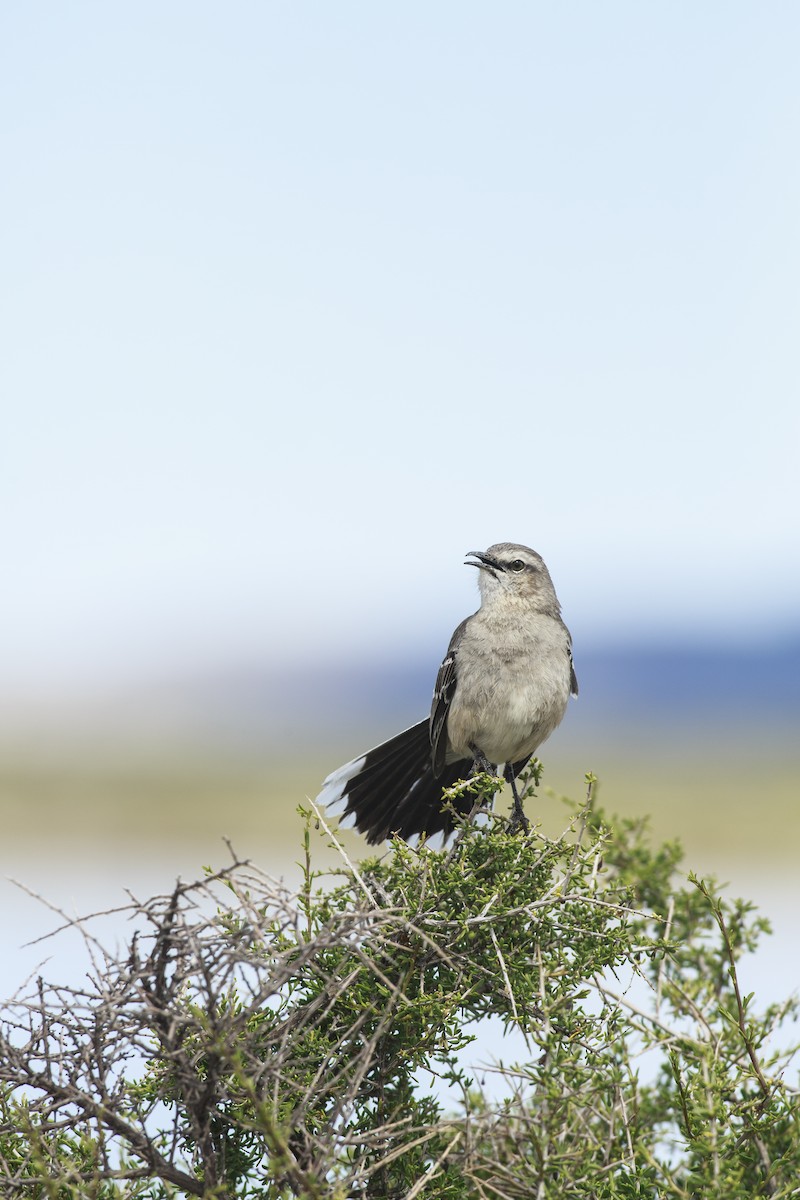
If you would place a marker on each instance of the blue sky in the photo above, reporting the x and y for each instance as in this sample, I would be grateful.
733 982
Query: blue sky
301 302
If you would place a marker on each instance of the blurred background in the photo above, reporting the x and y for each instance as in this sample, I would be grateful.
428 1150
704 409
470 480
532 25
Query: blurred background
302 302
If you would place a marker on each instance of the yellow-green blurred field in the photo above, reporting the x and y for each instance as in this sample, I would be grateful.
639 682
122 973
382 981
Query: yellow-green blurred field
722 810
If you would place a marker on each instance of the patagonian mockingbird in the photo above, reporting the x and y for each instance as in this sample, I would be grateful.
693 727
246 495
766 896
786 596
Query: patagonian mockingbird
502 689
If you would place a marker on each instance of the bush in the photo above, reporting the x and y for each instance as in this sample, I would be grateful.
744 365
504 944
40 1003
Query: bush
251 1042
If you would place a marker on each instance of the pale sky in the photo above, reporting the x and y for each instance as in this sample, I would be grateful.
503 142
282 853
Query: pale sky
301 302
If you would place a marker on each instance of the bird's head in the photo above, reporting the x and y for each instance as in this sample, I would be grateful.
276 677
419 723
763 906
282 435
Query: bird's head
514 571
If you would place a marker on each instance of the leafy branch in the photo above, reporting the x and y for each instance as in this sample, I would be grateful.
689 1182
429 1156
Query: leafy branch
253 1041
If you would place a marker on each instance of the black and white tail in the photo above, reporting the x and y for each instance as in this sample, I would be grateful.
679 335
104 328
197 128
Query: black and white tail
392 789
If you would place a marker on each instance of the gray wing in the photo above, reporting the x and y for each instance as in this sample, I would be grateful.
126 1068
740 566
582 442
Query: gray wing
573 678
443 693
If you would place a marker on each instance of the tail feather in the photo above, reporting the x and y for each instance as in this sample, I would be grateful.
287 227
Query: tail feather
392 789
421 808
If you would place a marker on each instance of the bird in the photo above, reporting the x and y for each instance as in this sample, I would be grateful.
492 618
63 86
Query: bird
502 688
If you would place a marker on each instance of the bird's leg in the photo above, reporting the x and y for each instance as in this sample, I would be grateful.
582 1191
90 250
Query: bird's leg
518 818
481 765
480 762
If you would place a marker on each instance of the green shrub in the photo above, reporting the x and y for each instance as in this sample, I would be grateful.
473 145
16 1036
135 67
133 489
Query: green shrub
251 1042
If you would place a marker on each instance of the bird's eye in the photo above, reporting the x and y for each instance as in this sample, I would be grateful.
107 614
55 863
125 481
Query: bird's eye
517 565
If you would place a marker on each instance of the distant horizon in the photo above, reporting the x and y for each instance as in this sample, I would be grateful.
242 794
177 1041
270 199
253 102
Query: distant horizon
157 663
684 688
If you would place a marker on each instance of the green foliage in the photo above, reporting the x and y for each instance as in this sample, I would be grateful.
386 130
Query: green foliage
290 1041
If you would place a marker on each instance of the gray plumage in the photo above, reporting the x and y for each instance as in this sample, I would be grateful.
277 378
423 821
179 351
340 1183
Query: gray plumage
501 690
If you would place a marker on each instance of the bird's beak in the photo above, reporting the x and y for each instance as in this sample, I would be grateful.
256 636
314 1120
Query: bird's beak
485 563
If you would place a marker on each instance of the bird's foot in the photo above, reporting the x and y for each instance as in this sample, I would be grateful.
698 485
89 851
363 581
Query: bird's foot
518 822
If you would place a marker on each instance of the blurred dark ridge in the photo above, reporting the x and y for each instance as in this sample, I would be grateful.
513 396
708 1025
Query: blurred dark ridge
635 686
644 691
736 681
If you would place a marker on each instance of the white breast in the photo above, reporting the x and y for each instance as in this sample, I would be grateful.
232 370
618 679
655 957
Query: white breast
507 704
